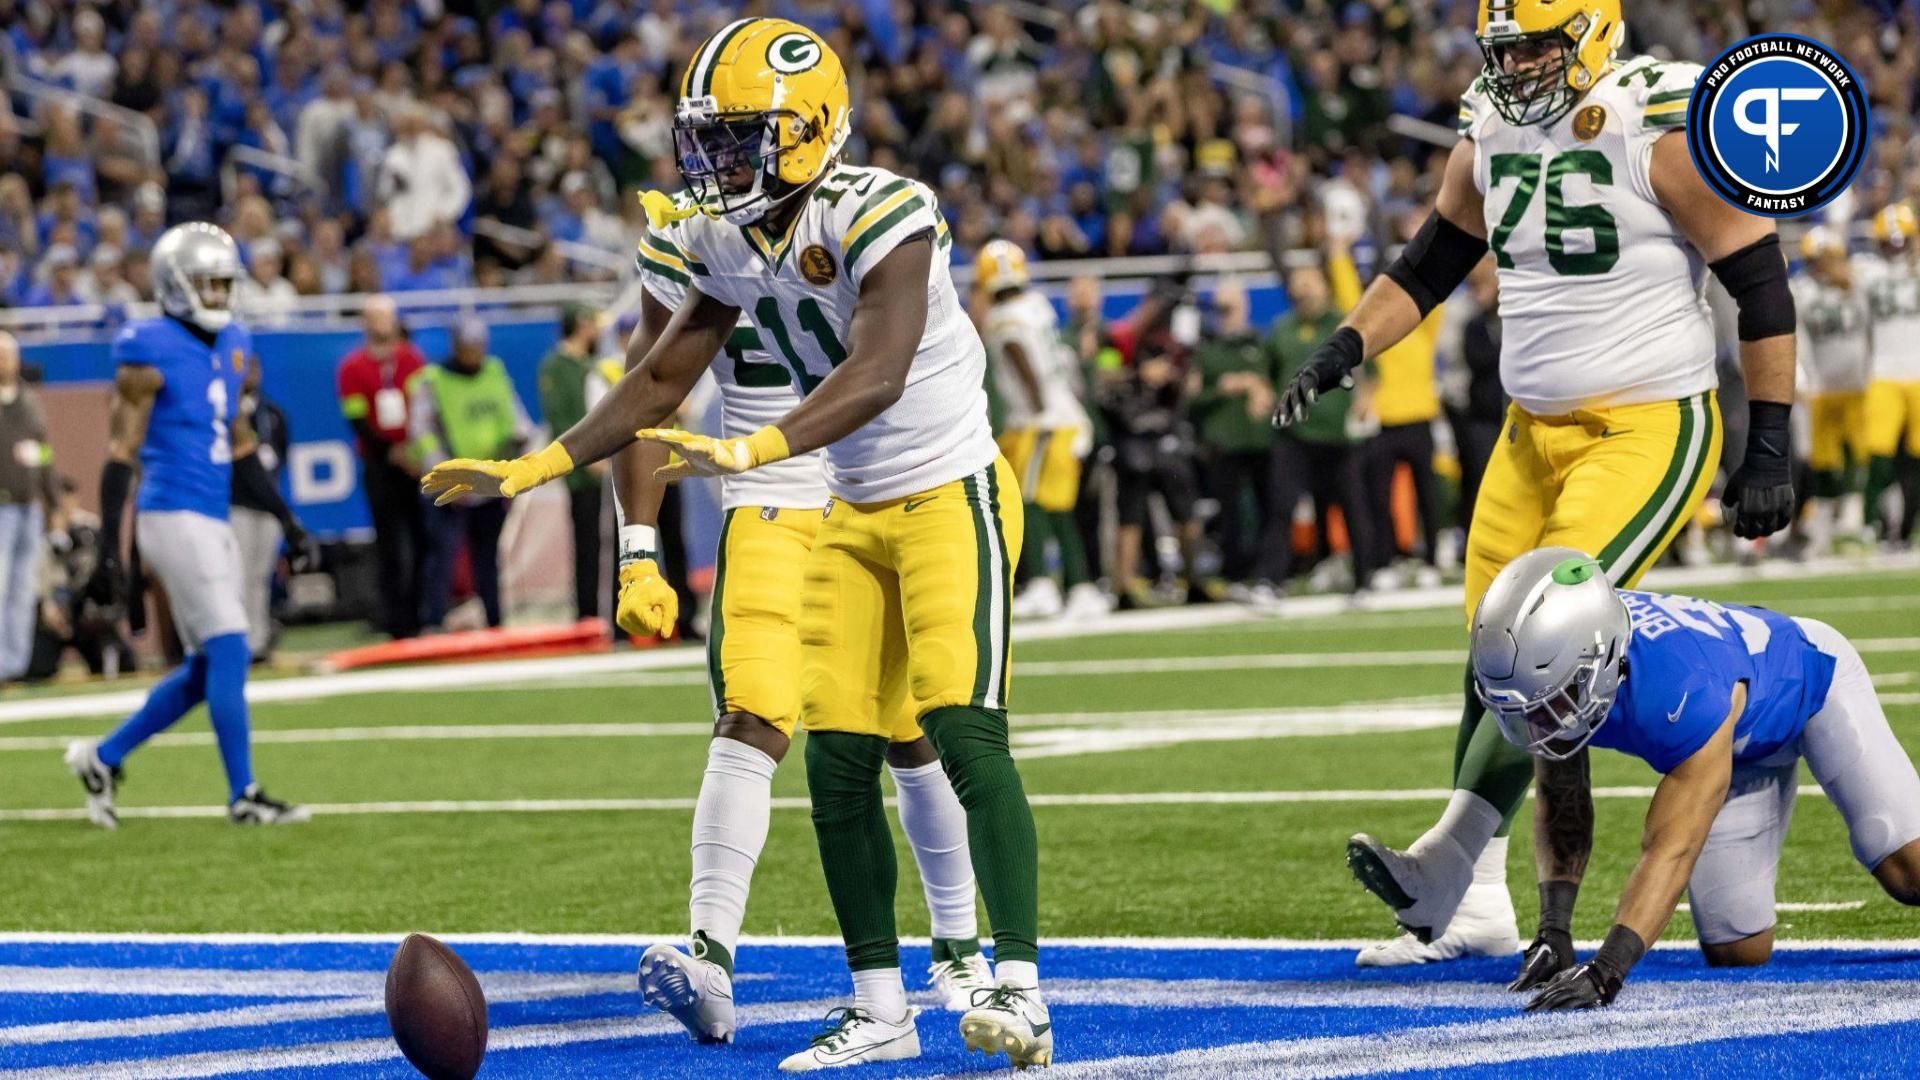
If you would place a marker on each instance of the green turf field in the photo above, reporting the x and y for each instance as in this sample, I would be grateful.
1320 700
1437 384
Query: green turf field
1250 715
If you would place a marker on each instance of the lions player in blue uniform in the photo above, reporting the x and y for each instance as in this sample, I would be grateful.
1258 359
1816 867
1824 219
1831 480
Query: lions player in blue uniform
177 388
1724 701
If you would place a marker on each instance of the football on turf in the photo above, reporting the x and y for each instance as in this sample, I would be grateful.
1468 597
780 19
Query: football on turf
436 1010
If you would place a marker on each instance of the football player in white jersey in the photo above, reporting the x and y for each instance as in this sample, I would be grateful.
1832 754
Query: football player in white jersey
843 272
753 650
1045 430
1836 364
1893 398
1573 170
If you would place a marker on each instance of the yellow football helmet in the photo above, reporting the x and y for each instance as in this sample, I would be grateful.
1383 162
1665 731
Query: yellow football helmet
1001 266
1895 226
763 111
1821 240
1542 55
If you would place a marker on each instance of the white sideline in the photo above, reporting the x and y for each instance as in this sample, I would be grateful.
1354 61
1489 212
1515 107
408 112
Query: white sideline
573 806
498 673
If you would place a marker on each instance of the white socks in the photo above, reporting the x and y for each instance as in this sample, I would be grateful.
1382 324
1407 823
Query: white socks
729 830
1491 867
1024 974
936 826
880 992
1454 845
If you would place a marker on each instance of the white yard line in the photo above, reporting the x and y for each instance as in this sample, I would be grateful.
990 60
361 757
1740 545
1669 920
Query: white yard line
1803 905
576 806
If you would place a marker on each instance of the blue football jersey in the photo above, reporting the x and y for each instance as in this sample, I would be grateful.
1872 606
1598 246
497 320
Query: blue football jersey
187 461
1685 658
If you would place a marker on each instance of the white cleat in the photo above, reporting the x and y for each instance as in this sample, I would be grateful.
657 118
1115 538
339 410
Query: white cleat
1482 926
1039 600
1086 601
1011 1019
698 993
1423 892
83 760
854 1036
956 981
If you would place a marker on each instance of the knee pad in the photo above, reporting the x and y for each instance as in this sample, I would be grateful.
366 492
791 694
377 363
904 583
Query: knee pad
843 775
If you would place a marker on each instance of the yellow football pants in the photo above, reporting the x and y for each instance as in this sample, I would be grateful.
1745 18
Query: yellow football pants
1044 460
1893 410
753 642
1617 483
1839 429
909 598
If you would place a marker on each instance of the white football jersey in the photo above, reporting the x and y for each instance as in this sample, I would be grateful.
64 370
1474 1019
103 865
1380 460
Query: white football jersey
1835 338
800 290
1893 295
1602 300
1027 319
755 390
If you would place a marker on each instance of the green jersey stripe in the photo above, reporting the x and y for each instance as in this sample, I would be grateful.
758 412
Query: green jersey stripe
654 266
1666 96
899 214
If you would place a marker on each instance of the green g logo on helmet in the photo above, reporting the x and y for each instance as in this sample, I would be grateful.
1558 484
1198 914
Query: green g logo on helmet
1575 571
790 54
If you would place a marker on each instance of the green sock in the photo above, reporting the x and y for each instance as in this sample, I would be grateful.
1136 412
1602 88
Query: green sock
1879 479
1006 852
1827 484
705 948
856 846
945 949
1485 763
1033 555
1073 554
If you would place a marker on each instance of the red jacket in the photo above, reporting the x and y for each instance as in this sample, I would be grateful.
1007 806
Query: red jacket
377 393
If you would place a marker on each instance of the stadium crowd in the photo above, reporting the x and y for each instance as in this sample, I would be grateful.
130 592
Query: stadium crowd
383 146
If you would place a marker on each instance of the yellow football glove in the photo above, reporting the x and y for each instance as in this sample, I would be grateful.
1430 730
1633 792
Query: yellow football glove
461 477
704 456
648 605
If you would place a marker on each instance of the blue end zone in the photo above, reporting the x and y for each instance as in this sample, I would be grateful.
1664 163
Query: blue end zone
313 1009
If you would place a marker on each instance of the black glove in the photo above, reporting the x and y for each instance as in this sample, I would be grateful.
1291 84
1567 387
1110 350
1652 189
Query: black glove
1331 365
1552 950
303 552
1550 954
1597 981
1758 499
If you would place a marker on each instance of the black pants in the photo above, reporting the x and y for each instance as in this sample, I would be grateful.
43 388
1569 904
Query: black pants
479 527
588 570
399 543
1475 438
1332 474
1239 483
1411 444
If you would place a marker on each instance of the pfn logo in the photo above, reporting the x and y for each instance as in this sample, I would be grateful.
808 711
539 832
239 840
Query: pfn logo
1769 126
1777 125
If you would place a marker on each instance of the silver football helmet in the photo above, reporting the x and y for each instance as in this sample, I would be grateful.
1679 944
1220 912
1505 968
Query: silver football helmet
194 267
1549 640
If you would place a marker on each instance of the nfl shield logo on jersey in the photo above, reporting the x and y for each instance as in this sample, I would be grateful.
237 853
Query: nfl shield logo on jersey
1778 125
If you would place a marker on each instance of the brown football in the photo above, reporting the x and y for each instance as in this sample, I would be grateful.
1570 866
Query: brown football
436 1010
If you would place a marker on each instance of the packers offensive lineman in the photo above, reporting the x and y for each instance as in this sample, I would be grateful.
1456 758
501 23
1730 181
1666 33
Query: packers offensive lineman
1573 171
753 651
177 385
843 272
1893 398
1723 701
1046 432
1836 360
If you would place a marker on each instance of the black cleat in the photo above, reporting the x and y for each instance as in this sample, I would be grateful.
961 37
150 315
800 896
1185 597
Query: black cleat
256 807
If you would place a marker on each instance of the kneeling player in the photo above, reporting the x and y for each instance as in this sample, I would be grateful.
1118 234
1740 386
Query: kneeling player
1723 700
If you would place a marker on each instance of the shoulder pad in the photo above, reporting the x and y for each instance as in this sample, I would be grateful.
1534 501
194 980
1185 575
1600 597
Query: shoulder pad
1474 106
1658 91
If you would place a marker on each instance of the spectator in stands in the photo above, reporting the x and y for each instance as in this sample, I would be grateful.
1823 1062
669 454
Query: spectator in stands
1232 411
265 292
373 382
88 69
60 283
106 280
563 402
423 182
320 136
187 146
466 408
1315 457
1476 402
24 460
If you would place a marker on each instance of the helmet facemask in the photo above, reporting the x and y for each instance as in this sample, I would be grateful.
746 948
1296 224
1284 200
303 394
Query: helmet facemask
1559 721
1526 75
731 164
195 268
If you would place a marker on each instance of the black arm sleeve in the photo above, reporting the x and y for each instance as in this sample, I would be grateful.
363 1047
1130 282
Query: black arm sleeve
250 476
116 483
1756 278
1436 261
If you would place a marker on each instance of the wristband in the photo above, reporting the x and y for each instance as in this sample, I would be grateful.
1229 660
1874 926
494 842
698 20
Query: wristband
554 461
768 445
1768 425
1347 345
637 542
1556 905
1622 949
